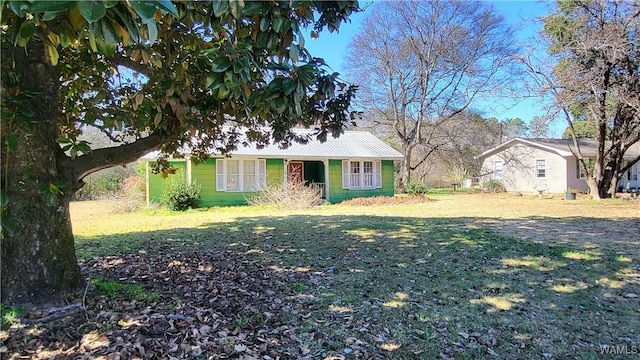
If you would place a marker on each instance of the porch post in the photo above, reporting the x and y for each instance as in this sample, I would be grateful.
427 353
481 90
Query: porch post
187 169
286 171
146 180
325 163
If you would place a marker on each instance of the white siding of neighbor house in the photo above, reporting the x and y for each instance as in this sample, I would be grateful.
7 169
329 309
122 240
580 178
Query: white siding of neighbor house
631 178
573 180
519 157
518 172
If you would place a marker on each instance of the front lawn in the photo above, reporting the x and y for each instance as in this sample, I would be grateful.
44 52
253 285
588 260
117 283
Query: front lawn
462 276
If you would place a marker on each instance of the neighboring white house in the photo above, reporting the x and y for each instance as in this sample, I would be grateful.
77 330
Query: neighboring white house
531 165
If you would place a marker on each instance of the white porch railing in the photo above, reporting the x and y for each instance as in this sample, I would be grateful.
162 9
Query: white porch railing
321 186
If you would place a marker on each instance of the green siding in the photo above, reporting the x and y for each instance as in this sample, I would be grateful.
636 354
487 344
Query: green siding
205 175
275 171
338 194
156 181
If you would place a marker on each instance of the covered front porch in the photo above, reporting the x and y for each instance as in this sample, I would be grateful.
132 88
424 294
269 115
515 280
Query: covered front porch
310 172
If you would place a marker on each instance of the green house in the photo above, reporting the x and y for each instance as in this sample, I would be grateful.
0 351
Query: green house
357 164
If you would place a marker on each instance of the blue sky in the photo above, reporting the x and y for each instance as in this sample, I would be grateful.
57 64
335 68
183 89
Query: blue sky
521 15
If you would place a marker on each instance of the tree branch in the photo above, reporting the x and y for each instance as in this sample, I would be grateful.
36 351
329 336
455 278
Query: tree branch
106 133
107 157
127 62
56 314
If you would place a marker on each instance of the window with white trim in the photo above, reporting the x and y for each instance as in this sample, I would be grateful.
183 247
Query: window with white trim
497 169
249 175
240 175
367 174
232 175
354 174
361 174
581 171
541 169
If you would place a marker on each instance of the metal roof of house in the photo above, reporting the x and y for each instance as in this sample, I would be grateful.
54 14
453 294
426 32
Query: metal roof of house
563 147
349 145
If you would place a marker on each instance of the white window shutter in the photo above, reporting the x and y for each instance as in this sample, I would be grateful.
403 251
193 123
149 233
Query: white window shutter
220 178
345 174
262 174
377 174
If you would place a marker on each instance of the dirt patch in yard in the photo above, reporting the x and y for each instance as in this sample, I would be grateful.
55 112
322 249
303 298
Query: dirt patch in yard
613 223
615 234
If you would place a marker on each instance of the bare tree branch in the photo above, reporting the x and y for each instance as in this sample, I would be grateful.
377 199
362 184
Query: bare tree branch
421 64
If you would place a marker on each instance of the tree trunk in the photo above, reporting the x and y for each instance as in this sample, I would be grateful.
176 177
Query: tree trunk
613 186
594 189
405 169
38 257
602 188
608 178
607 184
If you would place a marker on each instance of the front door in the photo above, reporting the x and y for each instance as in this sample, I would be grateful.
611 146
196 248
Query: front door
295 169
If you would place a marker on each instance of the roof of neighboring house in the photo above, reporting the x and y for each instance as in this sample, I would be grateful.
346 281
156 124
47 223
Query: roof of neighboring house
349 145
562 147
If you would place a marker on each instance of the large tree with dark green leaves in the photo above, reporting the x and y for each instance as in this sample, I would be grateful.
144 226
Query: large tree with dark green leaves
150 75
597 80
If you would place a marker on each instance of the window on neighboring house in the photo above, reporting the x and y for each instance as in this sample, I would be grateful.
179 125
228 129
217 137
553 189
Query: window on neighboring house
632 173
541 168
580 171
361 174
497 170
240 175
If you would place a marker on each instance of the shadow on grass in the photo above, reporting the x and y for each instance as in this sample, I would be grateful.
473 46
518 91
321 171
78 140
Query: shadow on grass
583 232
413 287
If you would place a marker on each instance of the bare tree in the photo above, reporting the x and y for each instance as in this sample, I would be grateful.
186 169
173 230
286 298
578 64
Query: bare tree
420 63
595 45
466 135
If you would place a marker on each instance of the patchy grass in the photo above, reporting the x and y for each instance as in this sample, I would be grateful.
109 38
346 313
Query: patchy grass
464 276
9 314
451 191
117 289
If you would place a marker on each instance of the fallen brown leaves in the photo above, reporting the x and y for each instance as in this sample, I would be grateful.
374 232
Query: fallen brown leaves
385 200
221 304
